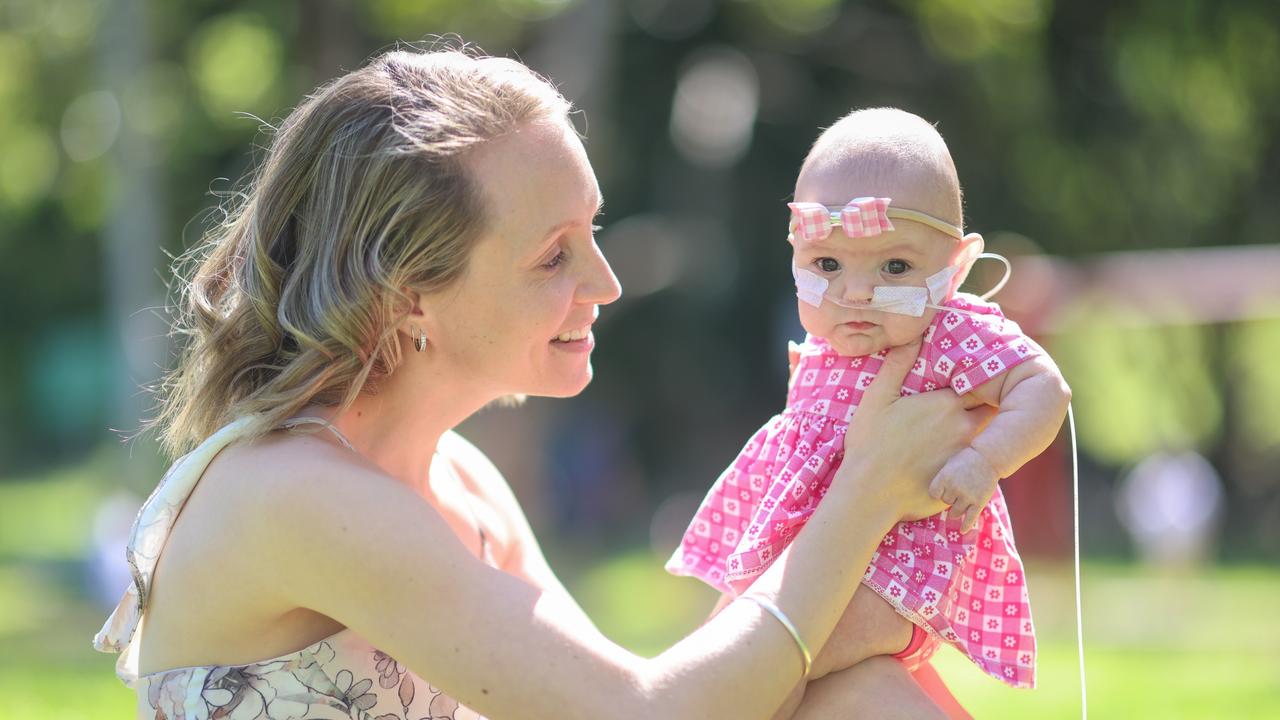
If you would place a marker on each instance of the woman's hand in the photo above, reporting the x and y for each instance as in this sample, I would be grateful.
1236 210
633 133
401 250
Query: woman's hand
896 445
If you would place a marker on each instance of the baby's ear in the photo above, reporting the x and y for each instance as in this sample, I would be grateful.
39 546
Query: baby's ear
966 253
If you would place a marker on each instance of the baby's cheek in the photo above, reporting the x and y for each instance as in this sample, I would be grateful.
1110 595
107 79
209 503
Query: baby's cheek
903 329
813 320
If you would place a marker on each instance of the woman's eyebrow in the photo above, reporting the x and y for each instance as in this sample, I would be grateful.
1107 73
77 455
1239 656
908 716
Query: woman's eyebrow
558 227
566 224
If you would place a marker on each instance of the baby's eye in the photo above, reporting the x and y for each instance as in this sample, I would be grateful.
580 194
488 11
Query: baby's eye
897 267
827 264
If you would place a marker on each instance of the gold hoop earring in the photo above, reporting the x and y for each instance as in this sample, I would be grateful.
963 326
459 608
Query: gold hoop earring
420 342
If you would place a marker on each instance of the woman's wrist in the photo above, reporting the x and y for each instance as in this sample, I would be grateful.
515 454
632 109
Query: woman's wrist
859 484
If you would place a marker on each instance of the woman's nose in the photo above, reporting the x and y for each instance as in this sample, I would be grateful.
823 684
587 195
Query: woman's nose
599 284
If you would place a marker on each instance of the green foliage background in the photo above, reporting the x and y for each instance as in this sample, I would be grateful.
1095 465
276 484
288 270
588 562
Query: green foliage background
1079 129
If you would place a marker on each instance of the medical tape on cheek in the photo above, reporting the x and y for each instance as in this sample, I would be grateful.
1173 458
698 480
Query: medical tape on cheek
939 284
911 299
900 299
810 287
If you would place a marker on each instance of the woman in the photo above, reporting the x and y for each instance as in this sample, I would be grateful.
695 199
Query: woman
417 244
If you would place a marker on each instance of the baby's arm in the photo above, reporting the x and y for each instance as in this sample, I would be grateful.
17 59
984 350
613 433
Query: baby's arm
1032 398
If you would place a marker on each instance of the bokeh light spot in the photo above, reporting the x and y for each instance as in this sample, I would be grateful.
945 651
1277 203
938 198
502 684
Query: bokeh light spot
28 165
235 63
534 9
153 100
714 113
90 125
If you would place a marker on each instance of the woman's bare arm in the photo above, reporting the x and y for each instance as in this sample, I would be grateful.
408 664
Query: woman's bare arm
368 552
524 557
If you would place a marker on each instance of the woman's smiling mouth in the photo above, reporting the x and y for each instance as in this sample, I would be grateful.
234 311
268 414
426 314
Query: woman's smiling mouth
579 340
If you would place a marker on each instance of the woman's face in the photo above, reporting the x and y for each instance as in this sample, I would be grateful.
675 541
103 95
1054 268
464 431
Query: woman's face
519 320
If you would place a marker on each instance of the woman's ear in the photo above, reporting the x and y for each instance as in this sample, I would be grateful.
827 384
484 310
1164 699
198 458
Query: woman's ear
415 312
966 253
420 317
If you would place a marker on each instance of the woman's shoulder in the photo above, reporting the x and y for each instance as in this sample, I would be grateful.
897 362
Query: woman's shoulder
280 484
480 476
287 462
318 516
468 459
221 549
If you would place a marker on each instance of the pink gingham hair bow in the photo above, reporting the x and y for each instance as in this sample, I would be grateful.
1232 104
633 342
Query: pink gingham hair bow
862 217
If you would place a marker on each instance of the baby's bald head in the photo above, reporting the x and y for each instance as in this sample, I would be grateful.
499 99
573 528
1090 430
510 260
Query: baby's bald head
882 152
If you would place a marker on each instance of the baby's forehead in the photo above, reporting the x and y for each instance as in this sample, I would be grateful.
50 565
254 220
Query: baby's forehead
912 168
907 239
916 188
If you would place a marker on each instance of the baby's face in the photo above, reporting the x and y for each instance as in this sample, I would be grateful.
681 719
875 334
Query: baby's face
853 266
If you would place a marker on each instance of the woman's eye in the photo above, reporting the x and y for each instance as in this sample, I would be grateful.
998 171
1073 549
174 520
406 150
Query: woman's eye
827 264
556 261
897 267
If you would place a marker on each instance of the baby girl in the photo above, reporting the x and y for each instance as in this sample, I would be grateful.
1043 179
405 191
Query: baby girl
878 256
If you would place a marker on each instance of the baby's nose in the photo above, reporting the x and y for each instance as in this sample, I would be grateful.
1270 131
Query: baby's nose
858 291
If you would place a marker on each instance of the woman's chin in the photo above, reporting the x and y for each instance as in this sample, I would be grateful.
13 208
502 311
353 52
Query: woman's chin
564 387
578 384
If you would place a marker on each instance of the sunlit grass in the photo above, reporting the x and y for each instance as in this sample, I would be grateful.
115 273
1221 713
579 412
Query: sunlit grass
1190 644
1158 644
48 670
63 691
49 517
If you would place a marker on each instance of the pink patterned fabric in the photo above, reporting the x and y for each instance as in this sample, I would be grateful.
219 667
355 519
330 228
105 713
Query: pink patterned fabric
810 222
866 217
862 217
967 590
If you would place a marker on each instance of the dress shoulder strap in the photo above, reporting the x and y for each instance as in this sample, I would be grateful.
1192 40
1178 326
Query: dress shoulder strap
312 420
147 538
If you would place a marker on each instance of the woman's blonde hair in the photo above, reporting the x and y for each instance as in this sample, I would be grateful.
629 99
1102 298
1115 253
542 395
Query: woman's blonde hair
363 193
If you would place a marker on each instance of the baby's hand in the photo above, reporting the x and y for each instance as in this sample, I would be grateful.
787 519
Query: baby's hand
966 483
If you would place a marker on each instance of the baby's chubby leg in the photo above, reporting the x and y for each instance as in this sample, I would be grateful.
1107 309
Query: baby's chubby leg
869 627
879 687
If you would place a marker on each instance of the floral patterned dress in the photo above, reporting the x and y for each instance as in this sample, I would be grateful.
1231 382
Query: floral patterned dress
966 590
338 678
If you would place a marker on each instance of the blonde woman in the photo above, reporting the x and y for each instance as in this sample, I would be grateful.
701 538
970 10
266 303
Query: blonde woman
416 244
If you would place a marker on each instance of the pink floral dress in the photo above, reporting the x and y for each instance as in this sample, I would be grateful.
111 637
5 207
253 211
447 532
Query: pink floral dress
339 677
966 590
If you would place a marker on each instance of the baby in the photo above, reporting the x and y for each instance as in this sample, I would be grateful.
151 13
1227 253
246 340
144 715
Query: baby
874 272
